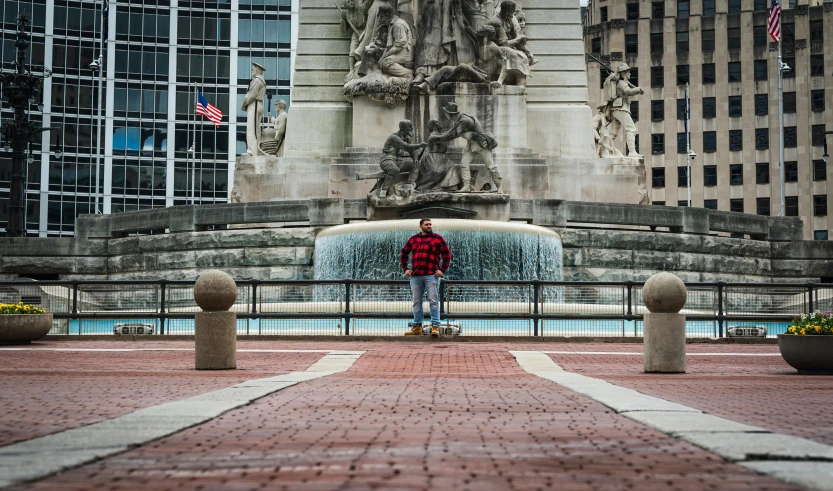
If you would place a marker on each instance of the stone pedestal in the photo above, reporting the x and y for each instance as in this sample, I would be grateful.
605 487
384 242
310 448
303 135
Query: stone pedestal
475 206
270 178
215 340
608 180
664 343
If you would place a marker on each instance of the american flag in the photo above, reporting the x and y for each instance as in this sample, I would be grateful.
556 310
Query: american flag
774 22
206 109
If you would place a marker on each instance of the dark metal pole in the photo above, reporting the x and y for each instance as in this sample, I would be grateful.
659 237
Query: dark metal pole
162 294
720 309
347 307
536 293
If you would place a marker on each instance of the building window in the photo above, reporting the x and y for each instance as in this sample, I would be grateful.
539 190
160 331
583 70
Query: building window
791 62
734 6
631 44
820 205
735 140
635 110
761 105
658 177
820 235
761 138
682 143
635 143
632 11
634 77
762 206
657 77
709 175
816 65
681 109
736 205
734 71
789 102
657 110
735 106
788 32
709 107
657 10
657 144
791 171
707 39
817 101
683 9
816 31
682 176
708 73
733 37
682 41
596 45
790 137
818 135
736 175
762 173
682 74
708 8
760 70
791 206
603 14
760 5
819 170
658 203
682 202
709 141
656 42
759 35
710 204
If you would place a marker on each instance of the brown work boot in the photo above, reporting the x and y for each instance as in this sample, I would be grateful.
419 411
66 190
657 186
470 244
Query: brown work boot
416 330
435 331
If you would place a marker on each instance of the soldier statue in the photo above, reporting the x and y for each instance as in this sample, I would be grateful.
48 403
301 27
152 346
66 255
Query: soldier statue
618 92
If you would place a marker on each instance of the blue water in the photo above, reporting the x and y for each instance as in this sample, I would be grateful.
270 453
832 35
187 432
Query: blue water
394 327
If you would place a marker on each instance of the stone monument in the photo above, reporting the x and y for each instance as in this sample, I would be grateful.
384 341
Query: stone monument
664 294
273 138
518 73
253 105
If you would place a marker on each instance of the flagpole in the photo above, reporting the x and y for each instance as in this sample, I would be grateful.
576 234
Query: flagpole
200 188
781 129
688 144
188 137
194 145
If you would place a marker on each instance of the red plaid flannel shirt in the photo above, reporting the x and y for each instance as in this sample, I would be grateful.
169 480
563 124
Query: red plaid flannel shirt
426 252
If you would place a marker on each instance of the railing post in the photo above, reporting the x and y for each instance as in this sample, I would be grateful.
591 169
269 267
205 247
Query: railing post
347 307
629 307
442 300
163 294
536 293
810 292
254 308
75 304
720 286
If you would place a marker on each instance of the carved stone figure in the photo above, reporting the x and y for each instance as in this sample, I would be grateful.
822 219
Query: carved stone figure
371 26
273 140
618 93
396 59
475 14
437 31
479 144
253 105
397 146
434 172
601 134
354 20
509 33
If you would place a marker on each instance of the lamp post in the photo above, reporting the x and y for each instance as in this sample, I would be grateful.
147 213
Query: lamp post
782 69
20 88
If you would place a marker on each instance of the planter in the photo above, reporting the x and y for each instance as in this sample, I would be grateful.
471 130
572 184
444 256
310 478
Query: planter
807 354
24 328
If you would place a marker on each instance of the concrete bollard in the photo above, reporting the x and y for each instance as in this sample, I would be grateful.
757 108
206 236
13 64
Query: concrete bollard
215 330
664 295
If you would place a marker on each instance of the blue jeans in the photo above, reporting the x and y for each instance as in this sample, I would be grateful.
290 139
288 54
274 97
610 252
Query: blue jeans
419 285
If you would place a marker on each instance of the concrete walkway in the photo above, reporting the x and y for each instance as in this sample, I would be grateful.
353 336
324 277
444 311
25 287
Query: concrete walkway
401 416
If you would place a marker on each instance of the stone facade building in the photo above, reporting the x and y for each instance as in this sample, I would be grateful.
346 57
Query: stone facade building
722 49
155 52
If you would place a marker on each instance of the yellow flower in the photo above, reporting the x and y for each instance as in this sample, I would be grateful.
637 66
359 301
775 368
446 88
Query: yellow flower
802 332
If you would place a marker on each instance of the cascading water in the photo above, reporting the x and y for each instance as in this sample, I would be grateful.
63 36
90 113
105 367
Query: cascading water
482 250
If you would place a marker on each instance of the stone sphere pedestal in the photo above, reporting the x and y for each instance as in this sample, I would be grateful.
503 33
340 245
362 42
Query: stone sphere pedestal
215 328
664 295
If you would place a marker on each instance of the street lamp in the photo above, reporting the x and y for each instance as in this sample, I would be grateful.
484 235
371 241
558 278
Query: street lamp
783 69
826 156
97 65
20 88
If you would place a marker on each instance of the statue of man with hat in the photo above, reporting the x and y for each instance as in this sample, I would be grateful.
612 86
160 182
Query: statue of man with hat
253 105
618 92
479 144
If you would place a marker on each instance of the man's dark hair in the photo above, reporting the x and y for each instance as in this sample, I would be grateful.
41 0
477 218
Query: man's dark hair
385 10
423 220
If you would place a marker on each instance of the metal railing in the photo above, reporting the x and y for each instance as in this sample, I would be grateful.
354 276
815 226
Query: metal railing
383 307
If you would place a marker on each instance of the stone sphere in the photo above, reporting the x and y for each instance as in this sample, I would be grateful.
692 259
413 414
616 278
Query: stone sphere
215 290
664 293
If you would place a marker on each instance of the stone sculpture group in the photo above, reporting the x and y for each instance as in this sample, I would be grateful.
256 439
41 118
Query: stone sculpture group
616 114
395 52
273 142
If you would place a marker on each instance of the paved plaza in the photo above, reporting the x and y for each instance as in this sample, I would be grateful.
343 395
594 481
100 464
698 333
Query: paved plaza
409 415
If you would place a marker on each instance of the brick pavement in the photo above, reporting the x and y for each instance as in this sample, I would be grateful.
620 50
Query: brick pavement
418 416
759 391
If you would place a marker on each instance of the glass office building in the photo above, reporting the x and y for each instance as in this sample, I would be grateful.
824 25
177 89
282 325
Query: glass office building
157 54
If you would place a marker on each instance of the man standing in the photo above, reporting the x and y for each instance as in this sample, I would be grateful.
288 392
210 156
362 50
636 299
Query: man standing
397 146
430 258
618 92
253 105
479 143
